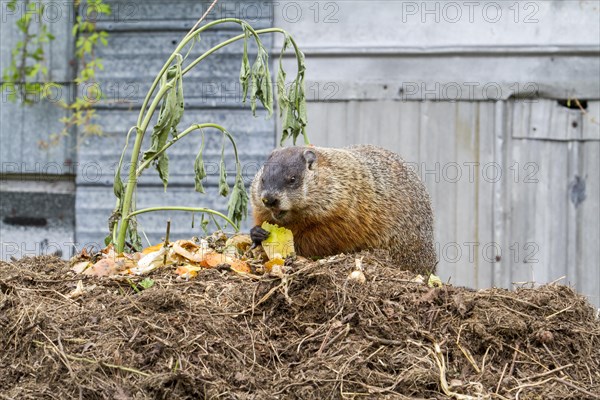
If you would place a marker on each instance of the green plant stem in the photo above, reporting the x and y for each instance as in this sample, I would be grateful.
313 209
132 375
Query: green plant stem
188 209
192 128
146 115
132 177
186 39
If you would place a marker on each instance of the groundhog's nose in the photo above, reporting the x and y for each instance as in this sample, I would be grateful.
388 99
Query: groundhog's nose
269 200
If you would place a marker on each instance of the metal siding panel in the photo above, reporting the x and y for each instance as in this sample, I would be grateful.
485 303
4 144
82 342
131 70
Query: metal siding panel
485 194
469 192
326 123
537 182
501 204
439 138
41 120
588 265
11 137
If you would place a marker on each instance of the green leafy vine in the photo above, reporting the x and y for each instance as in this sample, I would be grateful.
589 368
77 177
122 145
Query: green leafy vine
26 78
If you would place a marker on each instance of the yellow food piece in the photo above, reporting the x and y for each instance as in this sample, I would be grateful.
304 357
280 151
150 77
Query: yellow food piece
280 242
187 271
272 262
434 281
151 249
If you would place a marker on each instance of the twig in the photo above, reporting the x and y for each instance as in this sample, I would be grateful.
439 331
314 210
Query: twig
572 386
526 385
556 280
548 372
202 17
384 341
324 345
501 377
103 364
558 312
167 240
512 364
467 354
439 359
484 357
62 354
551 355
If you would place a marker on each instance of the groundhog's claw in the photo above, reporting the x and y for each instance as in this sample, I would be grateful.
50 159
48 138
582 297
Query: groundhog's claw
258 234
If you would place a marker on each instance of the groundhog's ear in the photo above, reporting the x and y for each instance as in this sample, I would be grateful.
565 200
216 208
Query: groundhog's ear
310 157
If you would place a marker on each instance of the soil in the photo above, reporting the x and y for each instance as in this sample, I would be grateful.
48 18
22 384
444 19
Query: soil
311 334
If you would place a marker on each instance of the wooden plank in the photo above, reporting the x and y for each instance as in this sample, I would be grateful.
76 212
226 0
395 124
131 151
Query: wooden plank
547 119
591 122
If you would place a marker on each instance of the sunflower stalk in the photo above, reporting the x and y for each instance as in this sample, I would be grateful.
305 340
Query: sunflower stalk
169 101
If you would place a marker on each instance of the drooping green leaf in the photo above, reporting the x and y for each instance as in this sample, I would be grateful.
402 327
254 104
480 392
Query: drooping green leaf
118 183
291 101
282 99
134 238
245 72
118 187
160 134
262 88
223 186
204 224
238 202
199 170
179 105
170 114
214 220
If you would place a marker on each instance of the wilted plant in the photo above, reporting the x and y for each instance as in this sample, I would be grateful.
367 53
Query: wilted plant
256 84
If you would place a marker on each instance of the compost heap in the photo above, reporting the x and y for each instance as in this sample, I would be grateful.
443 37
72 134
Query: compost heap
320 330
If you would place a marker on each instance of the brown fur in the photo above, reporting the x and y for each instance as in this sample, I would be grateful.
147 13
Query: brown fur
361 197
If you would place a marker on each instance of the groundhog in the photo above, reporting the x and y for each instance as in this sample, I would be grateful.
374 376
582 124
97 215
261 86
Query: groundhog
346 200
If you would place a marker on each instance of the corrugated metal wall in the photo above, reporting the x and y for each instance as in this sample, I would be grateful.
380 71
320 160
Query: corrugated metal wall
138 46
448 85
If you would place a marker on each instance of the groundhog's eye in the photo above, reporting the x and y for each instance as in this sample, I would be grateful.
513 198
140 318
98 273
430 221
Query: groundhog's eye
291 179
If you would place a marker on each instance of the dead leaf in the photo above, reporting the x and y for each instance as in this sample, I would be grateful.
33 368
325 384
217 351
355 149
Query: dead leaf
150 262
81 266
188 271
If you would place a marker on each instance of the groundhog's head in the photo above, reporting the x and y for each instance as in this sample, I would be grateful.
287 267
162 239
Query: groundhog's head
281 186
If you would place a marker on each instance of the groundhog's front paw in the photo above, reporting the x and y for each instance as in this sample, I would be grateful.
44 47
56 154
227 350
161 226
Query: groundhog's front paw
258 234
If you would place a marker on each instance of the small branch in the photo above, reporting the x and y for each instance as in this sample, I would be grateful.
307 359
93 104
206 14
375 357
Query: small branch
202 17
189 130
573 386
548 372
103 364
167 241
558 312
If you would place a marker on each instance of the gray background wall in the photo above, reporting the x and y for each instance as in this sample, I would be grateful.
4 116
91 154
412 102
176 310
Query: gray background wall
448 85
